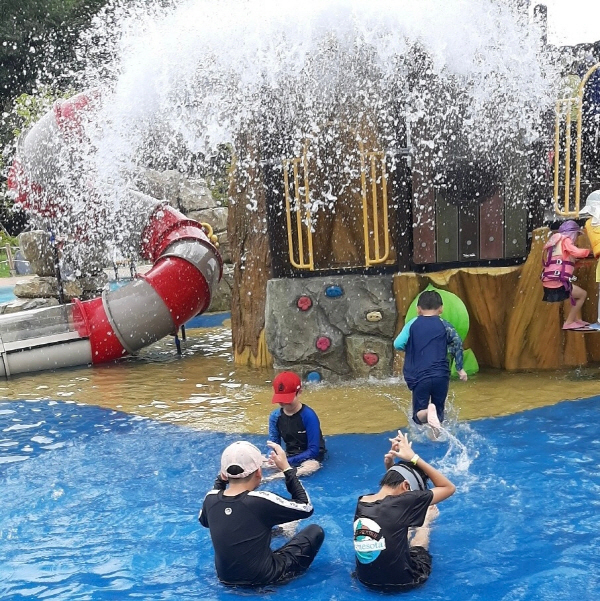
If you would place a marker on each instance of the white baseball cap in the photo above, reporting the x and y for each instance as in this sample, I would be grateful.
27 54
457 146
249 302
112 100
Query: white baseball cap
592 204
243 455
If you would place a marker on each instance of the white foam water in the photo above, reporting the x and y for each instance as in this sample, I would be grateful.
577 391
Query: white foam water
177 79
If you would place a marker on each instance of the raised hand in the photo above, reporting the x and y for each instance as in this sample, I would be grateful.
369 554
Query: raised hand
278 456
401 447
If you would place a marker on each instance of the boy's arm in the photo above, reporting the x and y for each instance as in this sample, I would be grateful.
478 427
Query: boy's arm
402 338
455 348
274 435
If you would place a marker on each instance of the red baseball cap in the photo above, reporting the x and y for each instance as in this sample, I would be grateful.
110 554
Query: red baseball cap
286 386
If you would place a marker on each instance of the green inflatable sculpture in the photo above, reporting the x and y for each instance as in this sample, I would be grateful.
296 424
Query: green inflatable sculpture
456 314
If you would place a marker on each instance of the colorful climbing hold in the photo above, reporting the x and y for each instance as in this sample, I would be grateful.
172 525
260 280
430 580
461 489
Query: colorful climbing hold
371 359
304 303
314 377
334 291
323 343
374 316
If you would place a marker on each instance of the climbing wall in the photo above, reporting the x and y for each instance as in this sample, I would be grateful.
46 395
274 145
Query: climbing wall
332 328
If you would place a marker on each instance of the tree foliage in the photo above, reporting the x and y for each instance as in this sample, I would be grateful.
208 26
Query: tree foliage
38 39
37 65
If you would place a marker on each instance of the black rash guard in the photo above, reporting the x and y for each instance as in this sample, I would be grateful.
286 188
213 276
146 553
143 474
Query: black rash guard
240 529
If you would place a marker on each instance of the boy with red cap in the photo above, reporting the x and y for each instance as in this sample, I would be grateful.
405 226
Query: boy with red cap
296 424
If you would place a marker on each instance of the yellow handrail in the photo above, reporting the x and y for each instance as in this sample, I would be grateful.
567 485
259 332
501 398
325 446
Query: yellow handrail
302 210
372 156
577 101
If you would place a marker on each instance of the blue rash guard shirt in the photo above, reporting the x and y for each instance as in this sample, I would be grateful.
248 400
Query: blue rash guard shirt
300 432
427 340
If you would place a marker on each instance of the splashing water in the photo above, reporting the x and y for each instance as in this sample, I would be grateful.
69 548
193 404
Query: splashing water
177 79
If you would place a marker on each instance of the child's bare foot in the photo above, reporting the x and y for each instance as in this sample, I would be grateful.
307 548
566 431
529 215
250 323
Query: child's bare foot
432 513
432 417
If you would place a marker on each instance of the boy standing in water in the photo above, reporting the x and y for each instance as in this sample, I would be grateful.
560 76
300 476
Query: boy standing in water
426 341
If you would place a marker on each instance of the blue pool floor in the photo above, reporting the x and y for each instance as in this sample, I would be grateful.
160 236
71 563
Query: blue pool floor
99 505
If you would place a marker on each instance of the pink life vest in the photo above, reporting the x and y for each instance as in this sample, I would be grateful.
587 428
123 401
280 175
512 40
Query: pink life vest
556 268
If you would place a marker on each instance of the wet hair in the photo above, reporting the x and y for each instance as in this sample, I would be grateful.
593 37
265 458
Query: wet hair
392 478
234 470
430 300
416 477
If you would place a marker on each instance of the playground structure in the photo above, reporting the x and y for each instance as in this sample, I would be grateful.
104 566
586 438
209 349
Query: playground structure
346 207
563 159
401 222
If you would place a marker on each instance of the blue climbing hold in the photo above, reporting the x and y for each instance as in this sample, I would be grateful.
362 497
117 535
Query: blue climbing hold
334 291
314 377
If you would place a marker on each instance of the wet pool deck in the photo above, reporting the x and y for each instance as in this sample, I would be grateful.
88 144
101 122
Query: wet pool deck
203 389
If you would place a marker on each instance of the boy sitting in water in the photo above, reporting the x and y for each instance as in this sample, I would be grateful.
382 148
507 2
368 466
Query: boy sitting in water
426 341
387 559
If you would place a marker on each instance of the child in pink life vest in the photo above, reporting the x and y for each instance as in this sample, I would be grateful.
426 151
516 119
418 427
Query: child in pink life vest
558 259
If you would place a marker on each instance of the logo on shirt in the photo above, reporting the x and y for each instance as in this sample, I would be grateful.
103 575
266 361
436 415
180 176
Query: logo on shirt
227 510
368 541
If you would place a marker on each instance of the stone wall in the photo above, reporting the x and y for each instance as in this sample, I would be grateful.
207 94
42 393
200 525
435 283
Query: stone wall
332 328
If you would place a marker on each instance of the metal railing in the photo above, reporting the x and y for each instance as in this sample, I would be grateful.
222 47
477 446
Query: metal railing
300 237
569 105
301 210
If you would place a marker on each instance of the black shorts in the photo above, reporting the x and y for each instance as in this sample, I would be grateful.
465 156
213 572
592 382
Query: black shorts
555 295
298 553
421 563
421 559
430 389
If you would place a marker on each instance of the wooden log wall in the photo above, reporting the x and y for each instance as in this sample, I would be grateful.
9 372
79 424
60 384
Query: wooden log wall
510 326
250 254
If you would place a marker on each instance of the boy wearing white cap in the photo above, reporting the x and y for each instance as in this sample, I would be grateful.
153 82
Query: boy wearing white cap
240 520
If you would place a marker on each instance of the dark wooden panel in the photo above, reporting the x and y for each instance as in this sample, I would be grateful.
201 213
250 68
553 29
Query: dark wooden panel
468 231
423 218
491 229
515 231
446 220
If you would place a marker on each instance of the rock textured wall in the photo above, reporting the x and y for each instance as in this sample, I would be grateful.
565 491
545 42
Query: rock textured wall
511 328
333 327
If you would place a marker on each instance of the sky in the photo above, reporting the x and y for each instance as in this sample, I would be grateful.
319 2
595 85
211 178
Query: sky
572 21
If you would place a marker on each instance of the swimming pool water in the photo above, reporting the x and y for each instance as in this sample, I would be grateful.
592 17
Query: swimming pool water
98 505
6 294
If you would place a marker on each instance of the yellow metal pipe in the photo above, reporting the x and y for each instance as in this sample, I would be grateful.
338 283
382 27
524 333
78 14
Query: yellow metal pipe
298 214
386 231
288 208
568 103
363 179
579 119
374 201
556 156
307 210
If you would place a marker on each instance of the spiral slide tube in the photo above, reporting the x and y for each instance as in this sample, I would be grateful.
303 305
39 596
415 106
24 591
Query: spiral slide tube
186 269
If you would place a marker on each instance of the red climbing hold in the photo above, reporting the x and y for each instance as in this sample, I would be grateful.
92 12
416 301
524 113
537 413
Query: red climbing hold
370 359
304 303
323 343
